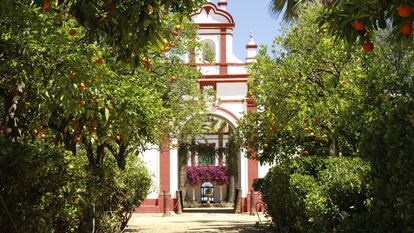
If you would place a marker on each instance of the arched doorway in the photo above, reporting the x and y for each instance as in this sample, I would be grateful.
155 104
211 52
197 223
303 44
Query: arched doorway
211 158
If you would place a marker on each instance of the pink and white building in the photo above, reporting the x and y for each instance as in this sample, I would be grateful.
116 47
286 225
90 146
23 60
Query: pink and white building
227 75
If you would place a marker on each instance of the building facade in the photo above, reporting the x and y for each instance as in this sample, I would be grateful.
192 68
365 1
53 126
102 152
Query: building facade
225 76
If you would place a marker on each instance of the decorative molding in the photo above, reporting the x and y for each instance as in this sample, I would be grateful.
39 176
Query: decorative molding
211 6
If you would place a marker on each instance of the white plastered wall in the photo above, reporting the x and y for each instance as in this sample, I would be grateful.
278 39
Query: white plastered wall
231 91
173 170
151 158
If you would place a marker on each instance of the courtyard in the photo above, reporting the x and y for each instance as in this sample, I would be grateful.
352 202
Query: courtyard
115 112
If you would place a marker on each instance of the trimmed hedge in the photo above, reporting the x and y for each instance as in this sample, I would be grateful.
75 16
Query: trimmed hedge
316 195
45 189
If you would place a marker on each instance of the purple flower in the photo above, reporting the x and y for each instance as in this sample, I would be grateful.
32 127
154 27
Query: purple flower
216 174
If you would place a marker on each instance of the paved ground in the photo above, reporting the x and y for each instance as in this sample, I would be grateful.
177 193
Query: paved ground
197 222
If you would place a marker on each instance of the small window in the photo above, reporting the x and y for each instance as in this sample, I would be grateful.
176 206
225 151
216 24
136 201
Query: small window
209 51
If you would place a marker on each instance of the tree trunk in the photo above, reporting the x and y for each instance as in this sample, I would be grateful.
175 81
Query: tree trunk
221 194
182 158
232 186
13 100
194 198
334 146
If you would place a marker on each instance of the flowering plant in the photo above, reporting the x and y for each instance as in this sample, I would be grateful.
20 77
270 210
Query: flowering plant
217 174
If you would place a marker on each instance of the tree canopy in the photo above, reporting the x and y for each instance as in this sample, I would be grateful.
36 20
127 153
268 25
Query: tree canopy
356 21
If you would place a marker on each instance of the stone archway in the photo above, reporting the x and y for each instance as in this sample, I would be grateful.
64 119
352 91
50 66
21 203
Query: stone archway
211 154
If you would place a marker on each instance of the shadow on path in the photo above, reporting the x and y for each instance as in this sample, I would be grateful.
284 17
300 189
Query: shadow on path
209 210
198 222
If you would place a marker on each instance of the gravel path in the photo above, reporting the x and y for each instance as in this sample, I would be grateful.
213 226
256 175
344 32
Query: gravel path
196 222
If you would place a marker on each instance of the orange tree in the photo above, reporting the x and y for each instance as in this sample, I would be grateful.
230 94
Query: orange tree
306 96
357 21
54 79
128 26
66 83
360 20
318 97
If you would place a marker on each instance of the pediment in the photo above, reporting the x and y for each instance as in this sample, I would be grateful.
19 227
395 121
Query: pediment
211 14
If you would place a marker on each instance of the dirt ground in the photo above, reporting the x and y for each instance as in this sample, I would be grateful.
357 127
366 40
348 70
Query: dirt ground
198 222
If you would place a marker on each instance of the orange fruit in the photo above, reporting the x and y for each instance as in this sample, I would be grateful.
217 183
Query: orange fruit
43 136
173 78
405 10
172 44
74 126
46 5
72 32
99 61
82 86
305 153
175 33
406 29
78 140
368 46
34 132
265 146
82 103
177 27
359 26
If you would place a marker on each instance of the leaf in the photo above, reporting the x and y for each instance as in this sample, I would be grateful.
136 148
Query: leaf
106 114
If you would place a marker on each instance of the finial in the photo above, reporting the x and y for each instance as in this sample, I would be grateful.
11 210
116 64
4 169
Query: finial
251 41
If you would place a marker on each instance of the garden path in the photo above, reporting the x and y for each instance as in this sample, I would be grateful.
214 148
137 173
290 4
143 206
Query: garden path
197 222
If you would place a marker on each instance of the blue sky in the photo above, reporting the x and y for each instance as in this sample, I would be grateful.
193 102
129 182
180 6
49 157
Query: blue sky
252 15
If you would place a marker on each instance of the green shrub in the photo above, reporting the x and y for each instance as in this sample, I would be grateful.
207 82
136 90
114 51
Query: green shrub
45 189
389 146
118 192
315 194
41 187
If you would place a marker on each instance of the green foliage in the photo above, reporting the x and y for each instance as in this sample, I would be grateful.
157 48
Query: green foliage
42 188
321 97
208 54
129 27
340 15
45 189
114 193
316 194
389 146
308 92
99 79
